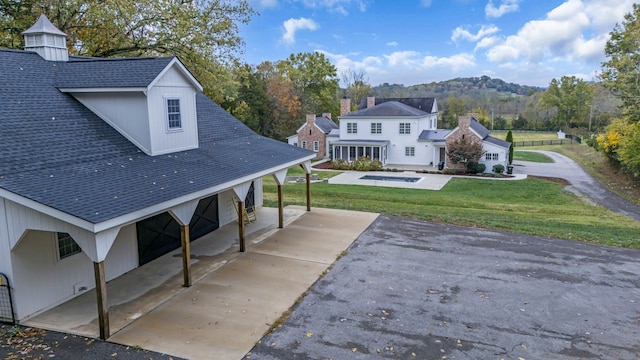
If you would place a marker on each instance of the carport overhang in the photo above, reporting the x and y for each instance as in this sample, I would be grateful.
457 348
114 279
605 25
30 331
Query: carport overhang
96 239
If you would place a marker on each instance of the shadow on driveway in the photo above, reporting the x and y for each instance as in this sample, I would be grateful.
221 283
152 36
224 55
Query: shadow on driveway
410 289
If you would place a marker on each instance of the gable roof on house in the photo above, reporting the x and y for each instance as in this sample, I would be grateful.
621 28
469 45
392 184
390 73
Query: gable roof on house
325 124
481 131
424 103
390 109
88 73
60 155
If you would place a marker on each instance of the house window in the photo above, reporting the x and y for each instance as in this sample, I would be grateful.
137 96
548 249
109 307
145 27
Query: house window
316 146
409 151
66 245
405 128
491 156
304 144
376 128
352 128
173 114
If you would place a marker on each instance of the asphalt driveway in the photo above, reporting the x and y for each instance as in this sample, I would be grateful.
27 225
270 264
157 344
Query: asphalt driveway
581 182
410 289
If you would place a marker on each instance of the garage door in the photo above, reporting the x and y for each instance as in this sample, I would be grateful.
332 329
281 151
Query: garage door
160 234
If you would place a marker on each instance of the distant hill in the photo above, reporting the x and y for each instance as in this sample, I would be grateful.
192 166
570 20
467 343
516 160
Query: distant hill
474 87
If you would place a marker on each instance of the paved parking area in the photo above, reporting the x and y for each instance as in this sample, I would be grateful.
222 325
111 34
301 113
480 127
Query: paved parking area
416 290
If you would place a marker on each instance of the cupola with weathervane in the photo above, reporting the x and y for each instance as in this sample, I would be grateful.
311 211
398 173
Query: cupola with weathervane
46 40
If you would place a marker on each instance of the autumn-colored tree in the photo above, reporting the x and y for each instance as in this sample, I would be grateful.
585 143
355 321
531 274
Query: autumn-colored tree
465 150
204 34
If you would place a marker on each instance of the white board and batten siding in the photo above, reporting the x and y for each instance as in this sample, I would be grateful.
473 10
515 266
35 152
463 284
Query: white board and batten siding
172 85
39 278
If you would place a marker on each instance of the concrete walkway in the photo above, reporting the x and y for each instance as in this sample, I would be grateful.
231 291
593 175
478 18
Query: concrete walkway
224 314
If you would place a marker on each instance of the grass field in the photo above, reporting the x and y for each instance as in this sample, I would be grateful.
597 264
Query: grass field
531 206
526 136
531 156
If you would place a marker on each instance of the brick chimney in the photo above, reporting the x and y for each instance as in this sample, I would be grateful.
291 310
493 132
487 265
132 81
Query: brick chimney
326 115
464 122
371 101
345 106
311 119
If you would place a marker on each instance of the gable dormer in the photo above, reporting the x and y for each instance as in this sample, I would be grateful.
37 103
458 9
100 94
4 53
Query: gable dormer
150 101
46 40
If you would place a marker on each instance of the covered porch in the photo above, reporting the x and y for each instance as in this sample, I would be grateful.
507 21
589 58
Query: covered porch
352 150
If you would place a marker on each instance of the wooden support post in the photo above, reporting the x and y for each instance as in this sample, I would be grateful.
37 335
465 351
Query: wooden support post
241 224
308 192
280 210
186 254
101 294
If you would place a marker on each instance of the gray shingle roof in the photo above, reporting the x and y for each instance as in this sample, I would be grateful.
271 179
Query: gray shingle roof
479 128
326 124
424 104
496 141
92 73
433 135
58 153
390 108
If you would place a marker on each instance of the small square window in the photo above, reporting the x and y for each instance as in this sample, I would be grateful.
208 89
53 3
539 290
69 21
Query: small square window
173 114
410 151
66 245
303 144
352 128
376 128
405 128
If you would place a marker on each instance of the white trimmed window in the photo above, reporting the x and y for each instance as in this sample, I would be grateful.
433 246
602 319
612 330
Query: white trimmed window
352 128
409 151
376 128
405 128
174 117
491 156
304 144
316 146
66 245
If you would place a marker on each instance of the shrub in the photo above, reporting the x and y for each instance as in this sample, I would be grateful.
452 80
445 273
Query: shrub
376 165
340 164
498 168
472 167
480 168
362 164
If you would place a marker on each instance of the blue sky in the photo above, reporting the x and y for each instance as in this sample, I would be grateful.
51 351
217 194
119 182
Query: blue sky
413 42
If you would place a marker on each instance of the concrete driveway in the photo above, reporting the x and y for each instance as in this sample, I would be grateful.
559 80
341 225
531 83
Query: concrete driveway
415 290
581 182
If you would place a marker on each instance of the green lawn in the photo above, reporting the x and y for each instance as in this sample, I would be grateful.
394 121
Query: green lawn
531 156
526 135
531 206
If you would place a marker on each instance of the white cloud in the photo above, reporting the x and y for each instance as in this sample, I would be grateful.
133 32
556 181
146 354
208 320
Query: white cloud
337 6
402 58
425 3
462 33
506 6
292 26
487 42
268 3
577 30
392 43
455 62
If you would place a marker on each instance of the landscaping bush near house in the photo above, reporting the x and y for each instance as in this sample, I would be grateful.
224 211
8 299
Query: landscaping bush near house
340 164
480 168
472 167
376 165
498 168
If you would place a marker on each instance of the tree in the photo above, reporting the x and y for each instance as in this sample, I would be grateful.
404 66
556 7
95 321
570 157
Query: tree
509 139
357 86
571 97
621 72
453 108
314 79
465 150
204 34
